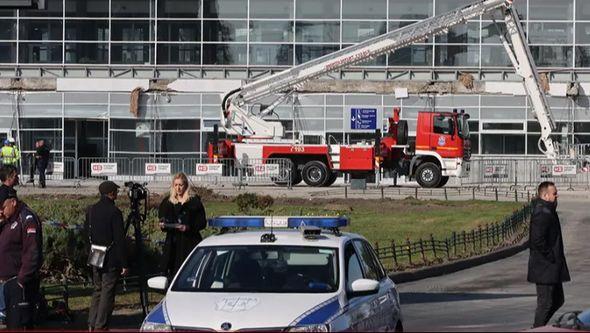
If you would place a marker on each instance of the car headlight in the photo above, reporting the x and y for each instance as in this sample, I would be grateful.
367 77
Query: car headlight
150 327
310 328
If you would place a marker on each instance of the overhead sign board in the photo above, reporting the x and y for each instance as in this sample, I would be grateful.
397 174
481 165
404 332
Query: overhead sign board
207 169
363 119
103 169
158 168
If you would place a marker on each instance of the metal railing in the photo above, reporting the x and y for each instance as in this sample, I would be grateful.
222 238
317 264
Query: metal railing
484 239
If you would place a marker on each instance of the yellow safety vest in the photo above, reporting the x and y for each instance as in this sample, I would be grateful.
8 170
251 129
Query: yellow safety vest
10 155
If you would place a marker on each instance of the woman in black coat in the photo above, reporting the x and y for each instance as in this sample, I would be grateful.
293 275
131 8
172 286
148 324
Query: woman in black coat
182 216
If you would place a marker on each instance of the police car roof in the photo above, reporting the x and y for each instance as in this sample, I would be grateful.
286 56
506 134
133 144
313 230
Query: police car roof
293 237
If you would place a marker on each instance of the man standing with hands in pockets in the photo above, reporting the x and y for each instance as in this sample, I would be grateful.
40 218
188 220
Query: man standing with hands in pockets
547 265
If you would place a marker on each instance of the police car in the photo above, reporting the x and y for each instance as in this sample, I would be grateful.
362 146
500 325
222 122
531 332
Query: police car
305 277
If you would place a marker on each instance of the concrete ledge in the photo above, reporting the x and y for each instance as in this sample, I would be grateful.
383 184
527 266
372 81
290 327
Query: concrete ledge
455 266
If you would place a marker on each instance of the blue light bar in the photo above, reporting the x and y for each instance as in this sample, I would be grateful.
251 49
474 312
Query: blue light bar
325 222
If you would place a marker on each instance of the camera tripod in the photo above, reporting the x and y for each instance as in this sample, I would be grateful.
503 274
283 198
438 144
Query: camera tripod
136 219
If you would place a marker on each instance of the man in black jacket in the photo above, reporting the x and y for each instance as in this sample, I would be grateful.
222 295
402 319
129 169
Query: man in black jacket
547 266
42 160
105 227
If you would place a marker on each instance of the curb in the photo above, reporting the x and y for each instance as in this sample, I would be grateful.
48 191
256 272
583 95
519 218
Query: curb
455 266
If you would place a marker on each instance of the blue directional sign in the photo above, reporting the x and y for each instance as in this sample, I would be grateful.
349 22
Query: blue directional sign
363 119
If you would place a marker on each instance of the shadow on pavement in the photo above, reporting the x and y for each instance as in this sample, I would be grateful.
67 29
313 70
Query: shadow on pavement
435 297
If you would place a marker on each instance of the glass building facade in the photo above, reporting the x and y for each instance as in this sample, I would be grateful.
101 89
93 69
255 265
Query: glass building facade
270 34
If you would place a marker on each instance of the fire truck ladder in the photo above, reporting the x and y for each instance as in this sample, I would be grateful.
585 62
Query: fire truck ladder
238 121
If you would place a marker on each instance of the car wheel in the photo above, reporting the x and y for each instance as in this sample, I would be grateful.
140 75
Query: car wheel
314 173
428 175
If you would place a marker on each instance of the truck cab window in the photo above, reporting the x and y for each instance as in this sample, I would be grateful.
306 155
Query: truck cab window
443 125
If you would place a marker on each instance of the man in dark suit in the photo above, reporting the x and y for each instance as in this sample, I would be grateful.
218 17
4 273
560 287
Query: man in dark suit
547 266
105 227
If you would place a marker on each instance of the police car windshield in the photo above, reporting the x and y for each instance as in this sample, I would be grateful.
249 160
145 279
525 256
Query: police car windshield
272 269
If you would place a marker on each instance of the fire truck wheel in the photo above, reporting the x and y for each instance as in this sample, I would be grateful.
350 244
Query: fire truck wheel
443 181
331 179
428 175
314 173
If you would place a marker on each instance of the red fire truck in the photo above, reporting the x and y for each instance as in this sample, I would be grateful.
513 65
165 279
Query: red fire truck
441 148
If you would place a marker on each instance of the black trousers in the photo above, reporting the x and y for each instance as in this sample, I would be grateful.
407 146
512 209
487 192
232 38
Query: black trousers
41 167
103 297
549 299
20 304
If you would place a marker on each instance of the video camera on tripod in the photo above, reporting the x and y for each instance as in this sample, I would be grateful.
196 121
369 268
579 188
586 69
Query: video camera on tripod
137 191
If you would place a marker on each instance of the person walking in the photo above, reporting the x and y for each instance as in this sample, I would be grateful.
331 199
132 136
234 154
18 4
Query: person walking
42 160
10 154
182 216
547 267
105 227
21 245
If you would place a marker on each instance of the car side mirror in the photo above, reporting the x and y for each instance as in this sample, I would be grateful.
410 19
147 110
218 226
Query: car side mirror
158 282
363 287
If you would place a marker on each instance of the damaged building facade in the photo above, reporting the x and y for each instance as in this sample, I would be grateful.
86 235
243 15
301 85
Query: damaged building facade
144 78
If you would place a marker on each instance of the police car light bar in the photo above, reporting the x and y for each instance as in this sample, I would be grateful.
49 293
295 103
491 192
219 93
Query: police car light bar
324 222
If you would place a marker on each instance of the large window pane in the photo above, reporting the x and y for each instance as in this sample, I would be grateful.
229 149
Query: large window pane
457 55
271 31
314 32
552 56
494 56
129 141
443 6
225 8
180 142
367 9
87 30
318 9
582 56
7 52
169 54
583 10
502 144
225 31
271 9
551 9
224 54
40 52
551 33
7 29
130 31
179 31
305 53
415 55
582 33
87 8
53 8
356 31
131 54
410 9
271 54
40 30
7 13
461 34
179 8
131 8
87 53
52 139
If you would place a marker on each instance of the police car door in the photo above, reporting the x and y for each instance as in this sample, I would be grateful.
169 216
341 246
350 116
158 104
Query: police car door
362 311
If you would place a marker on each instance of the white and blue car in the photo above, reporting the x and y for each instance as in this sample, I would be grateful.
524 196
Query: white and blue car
305 279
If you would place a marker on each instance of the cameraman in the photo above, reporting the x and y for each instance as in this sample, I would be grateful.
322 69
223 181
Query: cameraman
182 216
105 227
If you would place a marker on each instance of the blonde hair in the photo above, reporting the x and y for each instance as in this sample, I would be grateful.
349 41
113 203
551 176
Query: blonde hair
173 197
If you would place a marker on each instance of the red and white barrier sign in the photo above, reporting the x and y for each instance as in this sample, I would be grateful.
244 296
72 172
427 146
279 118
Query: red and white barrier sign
558 170
103 169
158 168
58 167
266 169
208 169
495 171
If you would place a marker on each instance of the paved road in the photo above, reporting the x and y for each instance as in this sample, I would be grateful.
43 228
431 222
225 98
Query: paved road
496 296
